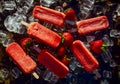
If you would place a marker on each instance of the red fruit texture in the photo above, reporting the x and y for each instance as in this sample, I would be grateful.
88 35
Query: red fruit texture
68 39
95 46
70 14
65 61
61 51
24 41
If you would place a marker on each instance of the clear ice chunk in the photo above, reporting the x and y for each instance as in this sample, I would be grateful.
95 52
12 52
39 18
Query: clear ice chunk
85 8
32 19
38 71
59 8
29 2
107 74
74 64
5 39
97 74
47 3
90 38
15 72
48 25
53 79
106 56
104 81
4 73
107 40
116 14
12 23
24 10
47 75
1 7
99 10
114 33
9 5
50 77
18 1
112 63
7 42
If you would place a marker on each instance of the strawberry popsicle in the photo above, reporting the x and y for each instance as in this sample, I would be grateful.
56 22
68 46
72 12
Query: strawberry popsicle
92 25
23 61
86 59
53 64
49 15
43 34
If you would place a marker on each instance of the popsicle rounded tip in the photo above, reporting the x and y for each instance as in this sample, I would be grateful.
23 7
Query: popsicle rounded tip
35 75
25 23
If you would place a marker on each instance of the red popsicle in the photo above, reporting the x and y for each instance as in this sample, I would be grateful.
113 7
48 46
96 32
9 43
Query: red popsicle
53 64
92 25
49 15
43 34
83 55
25 63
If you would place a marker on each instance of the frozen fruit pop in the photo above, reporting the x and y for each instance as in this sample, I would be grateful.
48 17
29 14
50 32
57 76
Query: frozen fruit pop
83 55
49 15
43 34
92 25
24 62
53 64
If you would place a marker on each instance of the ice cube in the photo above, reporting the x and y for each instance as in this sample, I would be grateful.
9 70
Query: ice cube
59 8
4 73
85 8
107 74
116 14
23 10
29 2
12 23
5 38
47 3
3 34
107 40
38 71
47 75
53 79
112 63
97 74
48 25
32 19
114 33
106 56
1 7
104 81
6 42
9 5
15 72
90 38
18 1
73 64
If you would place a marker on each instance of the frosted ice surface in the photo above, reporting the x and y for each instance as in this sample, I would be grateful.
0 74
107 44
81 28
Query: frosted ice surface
12 23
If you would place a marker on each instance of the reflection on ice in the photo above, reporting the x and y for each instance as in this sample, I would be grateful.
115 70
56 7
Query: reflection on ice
50 77
4 73
46 3
12 23
5 38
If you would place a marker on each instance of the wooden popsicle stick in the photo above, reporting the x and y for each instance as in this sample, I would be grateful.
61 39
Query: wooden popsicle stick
25 23
35 75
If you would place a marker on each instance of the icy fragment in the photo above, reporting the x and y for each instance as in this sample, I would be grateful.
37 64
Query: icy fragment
12 23
47 3
9 5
